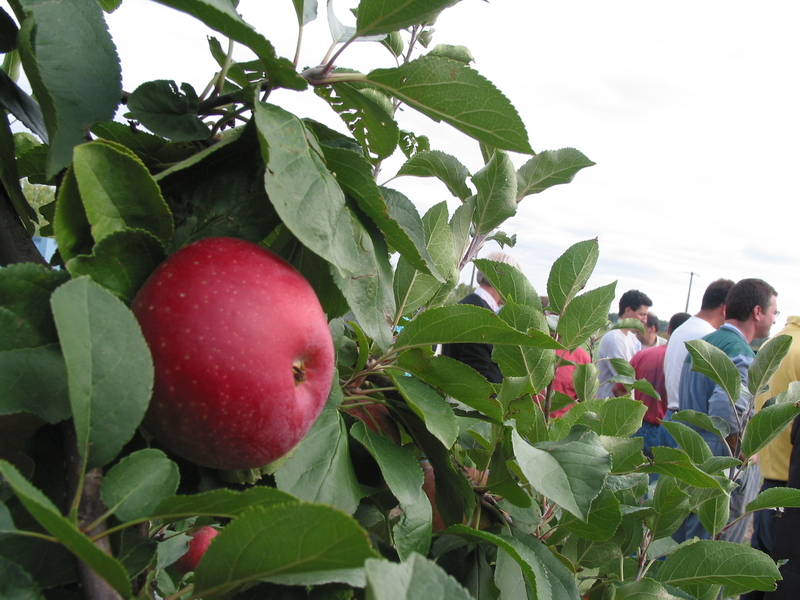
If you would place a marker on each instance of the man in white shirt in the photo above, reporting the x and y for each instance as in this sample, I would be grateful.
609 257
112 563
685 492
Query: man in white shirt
709 319
621 343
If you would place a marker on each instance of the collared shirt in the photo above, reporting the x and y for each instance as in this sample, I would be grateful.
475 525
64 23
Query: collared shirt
700 393
483 293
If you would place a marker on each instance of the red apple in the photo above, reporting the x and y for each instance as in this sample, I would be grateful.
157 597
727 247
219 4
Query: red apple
242 352
198 544
376 417
429 487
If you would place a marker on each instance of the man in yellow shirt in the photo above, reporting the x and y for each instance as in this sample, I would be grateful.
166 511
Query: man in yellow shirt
773 459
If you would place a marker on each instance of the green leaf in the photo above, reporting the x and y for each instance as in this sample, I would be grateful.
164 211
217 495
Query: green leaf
306 196
369 296
414 289
534 364
430 406
449 91
777 497
584 315
716 562
8 32
771 420
385 16
502 482
49 517
713 506
766 362
73 232
135 486
646 589
570 472
416 577
311 204
716 425
284 540
626 453
164 110
570 272
512 285
145 145
221 16
136 552
16 583
109 368
445 167
306 11
221 502
545 573
497 191
392 212
10 177
459 53
319 468
404 476
603 520
676 463
17 102
109 6
585 380
76 78
455 379
620 417
121 262
689 441
670 508
716 365
34 380
411 143
219 191
368 115
549 168
461 323
455 497
118 192
25 317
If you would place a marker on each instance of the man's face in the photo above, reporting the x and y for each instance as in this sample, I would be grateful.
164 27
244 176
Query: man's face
640 313
766 318
649 336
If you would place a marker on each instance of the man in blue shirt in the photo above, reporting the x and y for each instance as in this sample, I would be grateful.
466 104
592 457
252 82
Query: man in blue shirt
751 311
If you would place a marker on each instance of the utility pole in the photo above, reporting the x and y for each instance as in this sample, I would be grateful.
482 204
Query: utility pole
691 276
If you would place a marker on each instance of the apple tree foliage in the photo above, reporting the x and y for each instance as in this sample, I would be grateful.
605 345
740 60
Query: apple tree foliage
525 506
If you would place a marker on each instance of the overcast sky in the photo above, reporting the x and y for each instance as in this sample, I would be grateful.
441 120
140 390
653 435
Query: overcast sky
689 110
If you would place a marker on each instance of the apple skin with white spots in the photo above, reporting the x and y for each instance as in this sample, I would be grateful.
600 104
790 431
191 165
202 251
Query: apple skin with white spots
242 352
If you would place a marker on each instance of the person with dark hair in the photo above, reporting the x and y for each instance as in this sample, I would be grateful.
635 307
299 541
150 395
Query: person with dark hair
650 337
752 306
648 364
621 343
708 320
479 356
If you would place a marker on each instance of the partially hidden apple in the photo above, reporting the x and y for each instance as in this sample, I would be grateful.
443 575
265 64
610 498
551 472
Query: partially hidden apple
242 352
198 544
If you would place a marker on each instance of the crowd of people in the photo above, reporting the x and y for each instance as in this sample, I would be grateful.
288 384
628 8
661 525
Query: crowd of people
732 316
